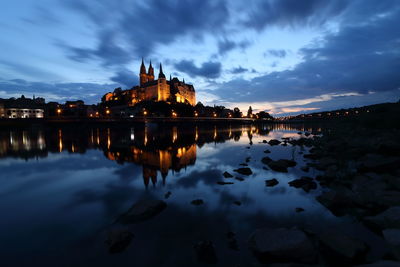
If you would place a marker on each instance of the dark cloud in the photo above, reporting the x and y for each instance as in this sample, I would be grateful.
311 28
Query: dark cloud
293 13
238 70
281 53
345 61
126 78
89 92
226 45
208 69
141 26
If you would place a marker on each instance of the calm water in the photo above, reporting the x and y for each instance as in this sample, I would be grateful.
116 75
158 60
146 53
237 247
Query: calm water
62 187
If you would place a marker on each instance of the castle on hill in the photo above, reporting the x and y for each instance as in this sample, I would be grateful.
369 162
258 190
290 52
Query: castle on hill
161 89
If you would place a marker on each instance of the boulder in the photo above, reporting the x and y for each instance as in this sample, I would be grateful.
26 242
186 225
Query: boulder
197 202
168 194
279 165
282 245
267 151
305 168
339 203
306 183
244 171
238 203
224 183
299 209
340 247
392 237
378 163
239 179
274 142
118 240
141 211
271 182
387 219
205 252
227 175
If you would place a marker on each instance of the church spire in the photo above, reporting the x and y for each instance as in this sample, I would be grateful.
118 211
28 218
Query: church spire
142 68
161 74
151 70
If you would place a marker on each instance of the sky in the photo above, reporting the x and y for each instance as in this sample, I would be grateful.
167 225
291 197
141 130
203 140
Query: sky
282 56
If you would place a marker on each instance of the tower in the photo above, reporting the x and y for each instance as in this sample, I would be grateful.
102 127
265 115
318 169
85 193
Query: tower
143 75
150 73
161 74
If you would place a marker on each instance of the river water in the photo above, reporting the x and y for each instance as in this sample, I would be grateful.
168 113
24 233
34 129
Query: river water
61 188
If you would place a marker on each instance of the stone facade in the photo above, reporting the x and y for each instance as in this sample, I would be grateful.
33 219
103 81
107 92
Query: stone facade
171 91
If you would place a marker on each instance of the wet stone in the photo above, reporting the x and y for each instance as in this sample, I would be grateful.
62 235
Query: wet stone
239 179
274 142
197 202
141 211
299 209
224 183
205 252
267 151
271 182
227 175
244 171
118 240
282 245
168 194
238 203
306 183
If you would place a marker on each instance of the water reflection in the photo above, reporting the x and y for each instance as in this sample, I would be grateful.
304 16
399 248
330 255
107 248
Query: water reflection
158 148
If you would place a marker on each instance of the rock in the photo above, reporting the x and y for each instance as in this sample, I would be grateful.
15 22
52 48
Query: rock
279 165
387 219
238 203
306 183
167 195
239 179
341 247
282 245
311 156
339 203
142 210
248 159
205 252
382 263
299 133
247 147
271 182
267 151
197 202
305 169
378 163
244 164
227 175
264 141
392 237
266 160
274 142
299 209
244 171
307 134
118 240
224 183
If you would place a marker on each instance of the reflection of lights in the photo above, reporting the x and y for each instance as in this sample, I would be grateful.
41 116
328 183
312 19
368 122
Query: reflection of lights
98 137
107 111
91 115
60 144
174 134
108 138
196 114
145 135
145 112
215 115
215 132
73 148
196 135
58 111
174 114
132 134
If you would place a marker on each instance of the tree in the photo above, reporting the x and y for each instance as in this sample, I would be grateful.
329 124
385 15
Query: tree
237 113
250 112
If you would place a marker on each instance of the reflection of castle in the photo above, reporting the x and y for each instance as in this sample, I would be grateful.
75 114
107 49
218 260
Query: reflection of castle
158 148
173 90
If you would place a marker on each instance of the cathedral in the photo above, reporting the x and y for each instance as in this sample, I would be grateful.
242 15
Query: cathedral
161 89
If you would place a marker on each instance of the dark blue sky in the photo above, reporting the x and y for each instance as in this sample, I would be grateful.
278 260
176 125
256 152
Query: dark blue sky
282 56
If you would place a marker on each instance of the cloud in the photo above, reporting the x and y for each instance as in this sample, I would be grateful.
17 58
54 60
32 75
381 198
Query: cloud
281 53
144 25
238 70
224 46
293 13
347 60
208 69
126 78
60 92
